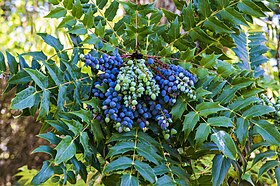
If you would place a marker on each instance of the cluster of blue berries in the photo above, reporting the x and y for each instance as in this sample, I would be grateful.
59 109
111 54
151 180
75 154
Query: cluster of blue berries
138 91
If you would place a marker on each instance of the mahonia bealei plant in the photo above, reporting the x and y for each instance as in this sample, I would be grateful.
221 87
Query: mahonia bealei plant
150 97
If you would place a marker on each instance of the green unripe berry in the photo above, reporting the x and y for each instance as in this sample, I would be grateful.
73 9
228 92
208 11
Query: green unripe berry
126 129
173 131
166 136
118 125
107 120
134 102
132 89
118 87
278 113
130 62
153 96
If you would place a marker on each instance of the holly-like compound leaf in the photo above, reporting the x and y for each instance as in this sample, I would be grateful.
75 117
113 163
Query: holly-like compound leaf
242 131
85 115
129 180
51 137
66 149
190 122
268 131
24 99
44 174
2 63
257 110
57 13
44 149
225 144
179 108
38 77
55 73
111 11
145 170
95 127
202 133
220 121
45 104
12 63
220 168
121 163
75 126
165 181
52 41
207 108
267 166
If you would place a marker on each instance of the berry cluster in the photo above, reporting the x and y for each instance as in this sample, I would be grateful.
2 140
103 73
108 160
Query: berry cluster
138 91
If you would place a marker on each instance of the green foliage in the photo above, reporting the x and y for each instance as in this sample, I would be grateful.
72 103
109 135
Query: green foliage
225 126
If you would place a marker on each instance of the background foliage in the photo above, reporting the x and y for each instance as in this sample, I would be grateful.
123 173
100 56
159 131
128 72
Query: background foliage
228 134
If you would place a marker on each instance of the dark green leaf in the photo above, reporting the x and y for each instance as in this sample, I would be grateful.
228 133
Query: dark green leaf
209 61
179 108
85 115
121 163
55 73
77 10
220 169
277 175
22 63
89 19
111 11
165 181
268 131
66 149
204 8
100 30
51 137
12 63
260 156
2 63
207 108
257 110
101 3
230 14
121 148
225 144
75 126
148 153
57 13
96 130
45 105
24 99
202 133
44 149
220 121
268 165
44 174
241 103
217 26
145 170
52 41
190 122
249 7
61 97
174 30
242 130
129 180
188 17
78 29
21 77
38 77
